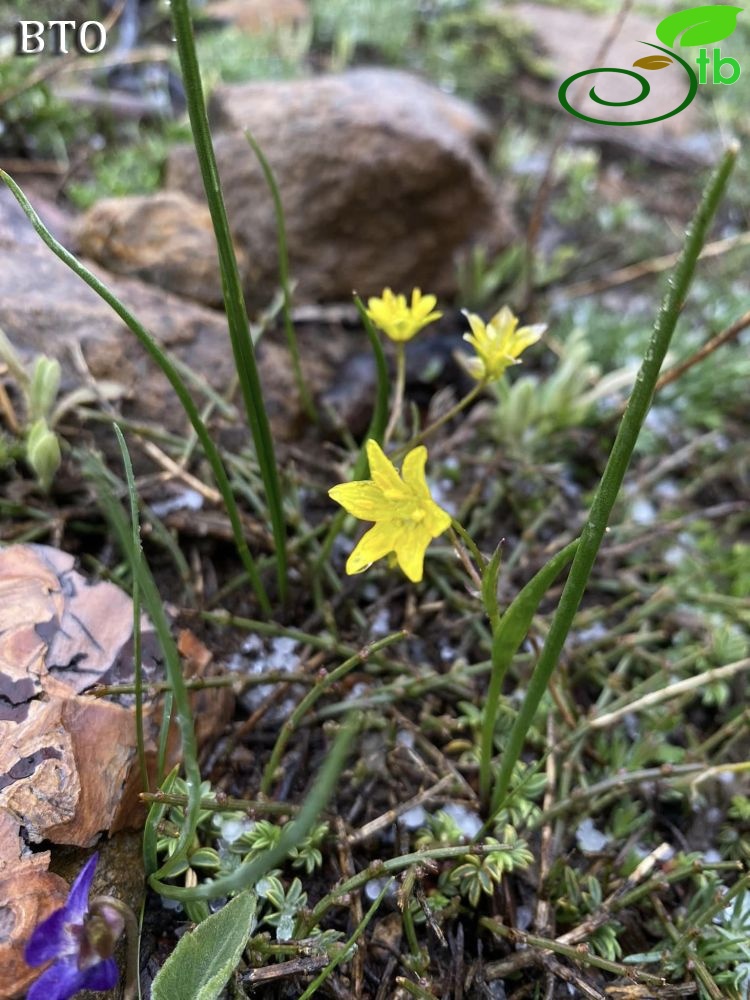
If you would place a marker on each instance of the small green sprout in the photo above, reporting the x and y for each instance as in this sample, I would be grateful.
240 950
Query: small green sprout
477 875
38 384
284 905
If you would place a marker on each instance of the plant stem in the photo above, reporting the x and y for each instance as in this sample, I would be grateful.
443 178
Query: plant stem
130 988
614 473
249 872
471 545
379 869
437 424
346 951
398 392
223 804
574 954
291 336
309 700
234 303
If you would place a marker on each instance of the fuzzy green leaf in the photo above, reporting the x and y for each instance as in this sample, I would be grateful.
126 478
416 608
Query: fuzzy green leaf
698 25
204 959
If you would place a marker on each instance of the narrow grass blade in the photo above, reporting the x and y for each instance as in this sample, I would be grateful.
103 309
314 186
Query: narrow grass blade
234 303
508 636
380 413
617 464
297 715
346 951
155 610
153 819
168 368
247 875
283 252
137 551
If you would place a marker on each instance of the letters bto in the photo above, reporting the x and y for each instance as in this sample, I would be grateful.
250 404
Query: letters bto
31 36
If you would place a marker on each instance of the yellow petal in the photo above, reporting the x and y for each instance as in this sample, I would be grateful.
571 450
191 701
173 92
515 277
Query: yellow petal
527 336
363 499
474 366
478 327
504 321
436 520
373 545
384 474
410 550
413 471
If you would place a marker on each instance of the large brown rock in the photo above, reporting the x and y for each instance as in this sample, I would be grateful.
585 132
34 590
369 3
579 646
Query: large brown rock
382 178
164 239
46 308
68 761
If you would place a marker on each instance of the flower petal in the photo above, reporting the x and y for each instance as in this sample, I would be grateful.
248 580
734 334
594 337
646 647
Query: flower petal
364 500
504 322
102 976
527 336
60 982
412 471
436 520
477 325
50 939
77 905
410 549
383 472
473 365
373 545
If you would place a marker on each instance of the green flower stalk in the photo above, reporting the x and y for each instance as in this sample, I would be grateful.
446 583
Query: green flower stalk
614 473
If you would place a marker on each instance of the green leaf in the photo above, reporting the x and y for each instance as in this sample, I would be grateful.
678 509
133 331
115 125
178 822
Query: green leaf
507 637
489 588
698 25
204 959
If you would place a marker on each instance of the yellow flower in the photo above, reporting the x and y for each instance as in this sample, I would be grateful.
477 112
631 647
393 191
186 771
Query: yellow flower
396 319
497 343
405 515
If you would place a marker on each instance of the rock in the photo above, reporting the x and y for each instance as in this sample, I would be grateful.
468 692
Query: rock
381 175
571 40
258 16
164 239
68 761
46 308
28 894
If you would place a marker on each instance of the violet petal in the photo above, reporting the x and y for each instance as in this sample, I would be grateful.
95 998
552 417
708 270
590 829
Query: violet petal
102 976
77 905
60 982
50 939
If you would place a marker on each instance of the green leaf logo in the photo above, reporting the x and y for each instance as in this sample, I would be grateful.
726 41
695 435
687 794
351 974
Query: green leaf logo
653 62
698 25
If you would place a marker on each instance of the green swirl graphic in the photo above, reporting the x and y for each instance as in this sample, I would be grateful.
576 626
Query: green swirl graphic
645 91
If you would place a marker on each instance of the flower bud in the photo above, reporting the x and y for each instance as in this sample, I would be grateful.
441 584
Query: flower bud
43 453
45 383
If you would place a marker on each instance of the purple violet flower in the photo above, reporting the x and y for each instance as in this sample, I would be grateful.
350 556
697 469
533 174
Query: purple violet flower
81 939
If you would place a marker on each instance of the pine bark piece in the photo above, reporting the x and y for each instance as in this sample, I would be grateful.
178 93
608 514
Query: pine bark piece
28 894
68 760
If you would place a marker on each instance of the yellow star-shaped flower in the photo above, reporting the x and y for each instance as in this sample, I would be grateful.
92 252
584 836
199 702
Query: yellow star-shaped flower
405 515
399 321
497 343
